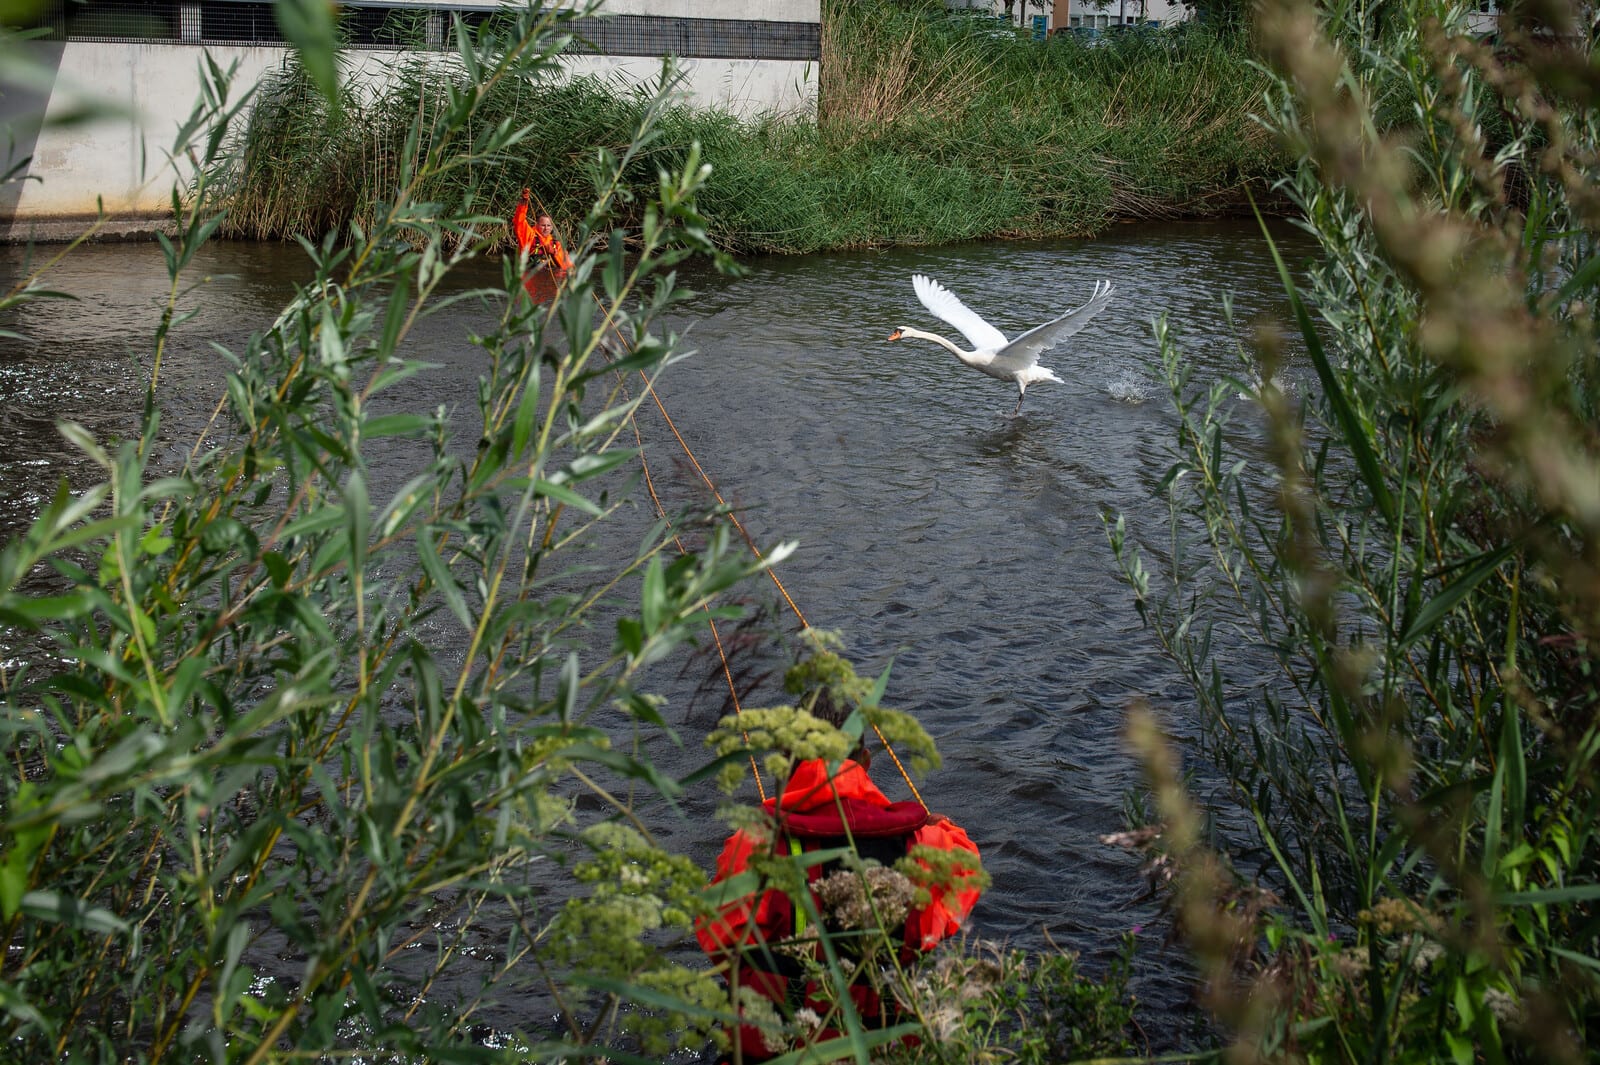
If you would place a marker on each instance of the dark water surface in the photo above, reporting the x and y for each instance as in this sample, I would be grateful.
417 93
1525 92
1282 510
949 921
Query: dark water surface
934 530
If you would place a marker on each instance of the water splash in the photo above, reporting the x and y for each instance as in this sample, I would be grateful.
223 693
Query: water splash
1128 387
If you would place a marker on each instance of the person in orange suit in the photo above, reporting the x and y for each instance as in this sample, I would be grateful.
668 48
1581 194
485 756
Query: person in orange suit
539 240
818 810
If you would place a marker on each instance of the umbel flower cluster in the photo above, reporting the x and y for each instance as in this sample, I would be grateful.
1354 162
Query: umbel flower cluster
873 897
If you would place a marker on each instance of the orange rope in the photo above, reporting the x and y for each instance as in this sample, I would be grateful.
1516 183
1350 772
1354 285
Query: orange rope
650 485
757 552
804 624
749 542
906 776
727 673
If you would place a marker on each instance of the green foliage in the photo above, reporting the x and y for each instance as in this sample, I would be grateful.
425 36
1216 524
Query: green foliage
1382 591
929 868
299 724
1065 138
983 1003
787 735
604 940
925 133
825 668
790 735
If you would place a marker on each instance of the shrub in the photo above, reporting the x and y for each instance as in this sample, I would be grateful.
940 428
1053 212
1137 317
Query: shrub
1383 594
292 726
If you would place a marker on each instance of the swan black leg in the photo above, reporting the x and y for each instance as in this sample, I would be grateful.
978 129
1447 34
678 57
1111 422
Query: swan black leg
1018 407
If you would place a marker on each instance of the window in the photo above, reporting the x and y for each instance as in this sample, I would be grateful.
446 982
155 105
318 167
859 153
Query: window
385 27
239 22
115 20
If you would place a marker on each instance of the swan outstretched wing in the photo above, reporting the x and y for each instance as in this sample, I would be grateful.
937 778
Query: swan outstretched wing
1024 351
947 308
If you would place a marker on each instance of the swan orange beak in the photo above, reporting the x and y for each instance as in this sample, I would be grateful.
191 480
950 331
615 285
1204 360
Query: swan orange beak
895 335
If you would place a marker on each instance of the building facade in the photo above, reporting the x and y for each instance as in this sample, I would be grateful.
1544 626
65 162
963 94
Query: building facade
1104 14
1063 15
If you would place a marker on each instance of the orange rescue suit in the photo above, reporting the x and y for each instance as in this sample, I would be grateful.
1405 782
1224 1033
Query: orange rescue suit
533 242
746 925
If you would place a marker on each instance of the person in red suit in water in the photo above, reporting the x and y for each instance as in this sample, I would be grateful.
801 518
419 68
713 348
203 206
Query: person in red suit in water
538 242
762 937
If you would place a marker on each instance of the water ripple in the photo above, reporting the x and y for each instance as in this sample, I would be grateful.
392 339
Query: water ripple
937 533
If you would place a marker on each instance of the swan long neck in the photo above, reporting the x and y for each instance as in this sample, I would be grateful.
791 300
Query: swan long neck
965 356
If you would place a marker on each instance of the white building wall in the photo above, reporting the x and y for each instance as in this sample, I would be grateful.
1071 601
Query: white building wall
120 163
745 87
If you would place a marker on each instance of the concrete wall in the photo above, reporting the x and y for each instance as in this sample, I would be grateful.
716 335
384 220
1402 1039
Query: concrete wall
121 162
746 87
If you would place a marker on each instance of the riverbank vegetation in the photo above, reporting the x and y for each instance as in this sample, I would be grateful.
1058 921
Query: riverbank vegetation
303 744
1393 650
317 773
339 756
926 131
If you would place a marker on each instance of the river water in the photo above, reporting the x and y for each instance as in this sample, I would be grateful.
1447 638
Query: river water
935 531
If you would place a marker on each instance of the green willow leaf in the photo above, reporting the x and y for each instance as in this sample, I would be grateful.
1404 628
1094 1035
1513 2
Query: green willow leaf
312 27
358 511
1439 607
396 425
1352 429
1512 765
1573 956
74 913
35 612
562 494
527 408
653 596
442 578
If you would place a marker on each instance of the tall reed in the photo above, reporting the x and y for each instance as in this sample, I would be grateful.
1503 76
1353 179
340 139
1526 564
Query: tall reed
925 133
1391 652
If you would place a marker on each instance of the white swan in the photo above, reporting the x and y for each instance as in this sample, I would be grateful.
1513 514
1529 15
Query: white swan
1016 360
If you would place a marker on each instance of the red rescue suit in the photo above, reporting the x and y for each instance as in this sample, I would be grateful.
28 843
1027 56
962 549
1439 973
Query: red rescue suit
814 811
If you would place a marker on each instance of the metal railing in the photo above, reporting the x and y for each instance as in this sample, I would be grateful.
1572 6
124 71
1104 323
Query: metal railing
414 26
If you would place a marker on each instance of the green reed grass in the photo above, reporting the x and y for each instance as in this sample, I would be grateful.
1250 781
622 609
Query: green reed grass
1416 746
925 133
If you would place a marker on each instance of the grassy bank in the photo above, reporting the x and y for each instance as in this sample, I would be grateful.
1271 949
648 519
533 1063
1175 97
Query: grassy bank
926 132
